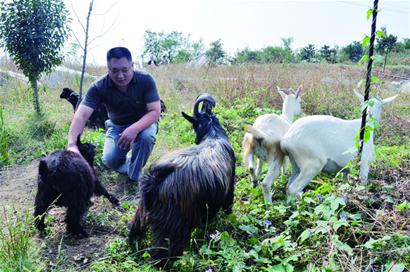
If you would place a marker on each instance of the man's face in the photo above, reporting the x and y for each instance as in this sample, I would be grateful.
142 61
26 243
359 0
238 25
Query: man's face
120 71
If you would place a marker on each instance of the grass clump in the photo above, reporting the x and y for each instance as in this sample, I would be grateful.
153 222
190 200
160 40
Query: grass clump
17 249
4 141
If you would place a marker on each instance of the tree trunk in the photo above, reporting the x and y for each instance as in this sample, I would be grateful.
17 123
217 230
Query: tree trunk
85 53
36 102
385 61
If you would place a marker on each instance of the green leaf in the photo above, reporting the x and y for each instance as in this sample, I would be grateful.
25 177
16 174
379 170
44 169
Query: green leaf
249 229
360 83
369 14
375 80
402 206
304 235
339 223
146 255
279 268
364 59
365 42
336 202
380 34
343 246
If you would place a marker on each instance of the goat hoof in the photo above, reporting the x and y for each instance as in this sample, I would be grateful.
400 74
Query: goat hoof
82 234
40 226
114 200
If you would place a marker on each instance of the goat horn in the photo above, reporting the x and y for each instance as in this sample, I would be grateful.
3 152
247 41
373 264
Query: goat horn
207 105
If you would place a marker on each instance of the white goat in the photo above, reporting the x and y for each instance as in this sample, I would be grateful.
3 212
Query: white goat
262 140
323 143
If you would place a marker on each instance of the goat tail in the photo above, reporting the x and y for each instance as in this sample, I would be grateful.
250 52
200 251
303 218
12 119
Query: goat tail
151 183
283 147
247 146
256 133
43 168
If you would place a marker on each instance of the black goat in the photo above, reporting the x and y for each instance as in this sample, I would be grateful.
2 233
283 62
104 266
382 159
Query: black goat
187 187
99 115
97 118
68 180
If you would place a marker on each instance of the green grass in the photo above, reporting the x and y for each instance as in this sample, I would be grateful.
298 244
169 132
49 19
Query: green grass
17 251
4 141
334 226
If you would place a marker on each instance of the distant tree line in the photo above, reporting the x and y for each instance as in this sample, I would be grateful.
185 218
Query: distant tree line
175 47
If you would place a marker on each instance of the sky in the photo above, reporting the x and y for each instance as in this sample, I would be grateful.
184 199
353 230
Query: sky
238 23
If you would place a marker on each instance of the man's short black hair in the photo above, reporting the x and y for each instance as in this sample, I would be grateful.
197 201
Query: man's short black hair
119 52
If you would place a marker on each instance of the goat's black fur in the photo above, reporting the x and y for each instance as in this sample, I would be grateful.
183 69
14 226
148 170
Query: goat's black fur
186 188
68 180
97 118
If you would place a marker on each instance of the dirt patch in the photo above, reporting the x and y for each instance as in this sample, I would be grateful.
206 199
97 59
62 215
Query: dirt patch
18 186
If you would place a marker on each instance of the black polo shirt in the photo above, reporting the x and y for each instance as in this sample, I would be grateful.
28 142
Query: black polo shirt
123 107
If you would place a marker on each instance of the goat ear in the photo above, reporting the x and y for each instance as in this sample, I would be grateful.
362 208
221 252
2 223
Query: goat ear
189 118
78 139
389 99
299 91
359 96
282 94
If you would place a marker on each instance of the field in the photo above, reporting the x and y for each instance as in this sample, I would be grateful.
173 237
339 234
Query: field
334 226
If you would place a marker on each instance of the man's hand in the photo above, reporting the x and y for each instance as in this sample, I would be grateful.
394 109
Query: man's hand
73 148
127 137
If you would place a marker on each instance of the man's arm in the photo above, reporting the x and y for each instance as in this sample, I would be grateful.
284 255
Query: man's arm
77 126
129 134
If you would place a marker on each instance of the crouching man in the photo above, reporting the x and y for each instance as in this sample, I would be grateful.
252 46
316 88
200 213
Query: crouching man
133 106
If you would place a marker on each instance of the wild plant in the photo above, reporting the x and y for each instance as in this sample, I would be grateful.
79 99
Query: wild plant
17 249
4 141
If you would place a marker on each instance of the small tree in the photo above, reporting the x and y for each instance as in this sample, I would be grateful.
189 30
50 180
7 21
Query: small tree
287 43
328 54
406 43
174 46
246 55
353 51
308 53
274 54
386 44
33 31
216 53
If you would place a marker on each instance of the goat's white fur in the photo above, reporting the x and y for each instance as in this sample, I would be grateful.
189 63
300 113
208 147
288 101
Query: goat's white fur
321 143
262 140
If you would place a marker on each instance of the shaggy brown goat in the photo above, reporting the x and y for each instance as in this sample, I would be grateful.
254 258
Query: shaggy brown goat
186 188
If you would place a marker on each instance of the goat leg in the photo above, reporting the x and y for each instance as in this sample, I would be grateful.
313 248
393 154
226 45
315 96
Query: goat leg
100 190
74 217
44 198
137 225
228 202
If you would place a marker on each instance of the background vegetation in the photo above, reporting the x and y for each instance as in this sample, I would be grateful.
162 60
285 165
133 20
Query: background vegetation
175 47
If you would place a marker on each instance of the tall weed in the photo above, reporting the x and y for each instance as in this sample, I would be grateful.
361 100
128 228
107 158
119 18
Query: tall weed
17 251
4 141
